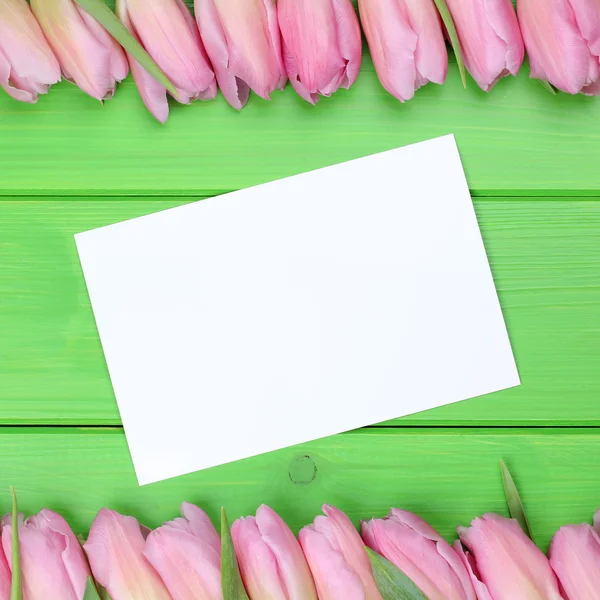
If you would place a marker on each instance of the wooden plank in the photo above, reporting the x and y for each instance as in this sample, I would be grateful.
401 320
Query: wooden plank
545 257
517 140
447 475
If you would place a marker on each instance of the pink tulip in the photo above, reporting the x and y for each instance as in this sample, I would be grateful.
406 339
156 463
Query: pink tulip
321 45
490 39
270 558
337 558
167 31
406 42
421 553
243 42
53 565
504 564
115 549
562 38
575 558
88 55
186 553
27 65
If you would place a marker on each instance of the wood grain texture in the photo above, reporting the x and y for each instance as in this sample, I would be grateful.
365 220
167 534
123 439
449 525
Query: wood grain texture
517 140
545 257
448 476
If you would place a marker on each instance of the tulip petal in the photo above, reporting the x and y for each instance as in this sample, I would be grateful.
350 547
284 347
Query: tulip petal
490 38
467 559
53 525
293 569
236 92
557 52
334 577
118 65
508 562
115 549
153 93
423 555
171 38
44 574
575 558
81 56
257 562
349 40
189 567
27 65
243 44
393 45
312 46
339 531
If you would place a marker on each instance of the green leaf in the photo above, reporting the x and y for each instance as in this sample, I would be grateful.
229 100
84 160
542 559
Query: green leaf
231 580
110 22
16 588
391 582
91 593
513 500
451 29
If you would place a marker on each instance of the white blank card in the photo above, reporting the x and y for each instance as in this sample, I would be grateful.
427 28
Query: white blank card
296 309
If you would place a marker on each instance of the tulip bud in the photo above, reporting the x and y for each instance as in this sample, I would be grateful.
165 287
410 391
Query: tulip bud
243 43
575 558
490 39
167 31
5 577
53 565
115 550
186 553
27 65
88 55
504 564
270 558
406 42
421 553
563 42
337 559
321 45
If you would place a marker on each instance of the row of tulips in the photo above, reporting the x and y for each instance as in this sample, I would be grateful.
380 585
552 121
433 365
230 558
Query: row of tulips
244 45
493 559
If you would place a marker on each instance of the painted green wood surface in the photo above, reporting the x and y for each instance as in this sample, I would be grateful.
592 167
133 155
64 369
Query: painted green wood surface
545 256
518 139
69 164
447 475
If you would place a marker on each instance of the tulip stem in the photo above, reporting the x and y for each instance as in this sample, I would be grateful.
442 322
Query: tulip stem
16 588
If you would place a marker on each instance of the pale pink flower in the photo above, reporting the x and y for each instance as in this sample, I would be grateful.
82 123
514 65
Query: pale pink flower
490 39
337 558
53 565
244 45
504 563
186 553
115 549
88 55
421 553
321 45
270 558
575 558
167 31
562 38
28 66
406 42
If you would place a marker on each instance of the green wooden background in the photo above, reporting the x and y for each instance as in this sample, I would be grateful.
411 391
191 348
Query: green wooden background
533 164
